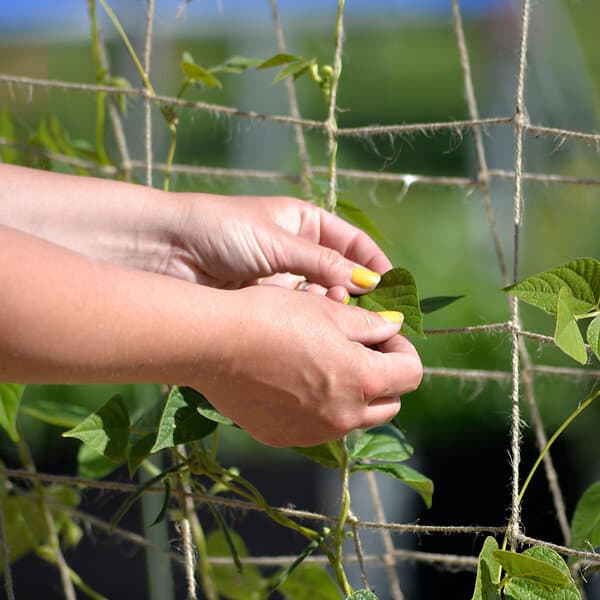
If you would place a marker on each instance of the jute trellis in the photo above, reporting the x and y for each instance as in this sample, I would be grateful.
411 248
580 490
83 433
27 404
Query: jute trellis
521 376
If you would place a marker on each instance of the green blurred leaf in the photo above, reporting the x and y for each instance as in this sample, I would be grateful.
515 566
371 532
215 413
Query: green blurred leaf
10 399
279 60
232 585
566 334
326 454
7 131
531 569
358 217
581 276
429 305
295 70
585 525
195 73
528 588
488 570
55 406
181 422
397 291
92 464
310 582
593 335
281 576
106 430
362 595
383 443
421 484
236 65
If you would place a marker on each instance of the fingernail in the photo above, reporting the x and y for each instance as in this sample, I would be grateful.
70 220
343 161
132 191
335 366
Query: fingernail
393 316
346 299
365 278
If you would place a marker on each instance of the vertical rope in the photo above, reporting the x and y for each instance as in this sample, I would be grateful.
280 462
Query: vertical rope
386 536
8 582
484 176
520 122
331 123
360 557
188 554
148 104
294 109
484 179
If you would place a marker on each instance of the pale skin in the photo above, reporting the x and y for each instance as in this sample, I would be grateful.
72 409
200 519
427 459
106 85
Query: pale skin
104 282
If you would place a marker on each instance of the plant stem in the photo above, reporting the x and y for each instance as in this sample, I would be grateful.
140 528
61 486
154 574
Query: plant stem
546 448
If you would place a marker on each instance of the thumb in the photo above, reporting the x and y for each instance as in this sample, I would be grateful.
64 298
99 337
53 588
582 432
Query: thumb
366 327
323 265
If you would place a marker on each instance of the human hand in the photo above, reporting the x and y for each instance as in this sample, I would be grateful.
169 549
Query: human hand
300 369
232 242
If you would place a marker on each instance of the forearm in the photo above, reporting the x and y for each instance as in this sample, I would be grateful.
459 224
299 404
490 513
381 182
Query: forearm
122 223
65 318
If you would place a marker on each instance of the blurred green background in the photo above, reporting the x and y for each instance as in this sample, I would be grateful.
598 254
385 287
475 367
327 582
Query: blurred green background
395 71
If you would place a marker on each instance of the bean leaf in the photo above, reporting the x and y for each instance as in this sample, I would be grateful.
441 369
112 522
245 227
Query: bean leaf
326 454
181 422
429 305
397 291
488 571
356 216
362 595
593 335
197 74
279 59
581 276
421 484
585 525
566 334
531 569
106 430
383 443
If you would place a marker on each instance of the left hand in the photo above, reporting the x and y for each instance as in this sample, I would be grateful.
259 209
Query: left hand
235 241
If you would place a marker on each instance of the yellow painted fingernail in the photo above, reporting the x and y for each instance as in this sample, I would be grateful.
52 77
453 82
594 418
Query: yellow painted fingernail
393 316
346 299
365 278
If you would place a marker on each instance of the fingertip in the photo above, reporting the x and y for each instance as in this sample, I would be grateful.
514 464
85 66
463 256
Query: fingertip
338 293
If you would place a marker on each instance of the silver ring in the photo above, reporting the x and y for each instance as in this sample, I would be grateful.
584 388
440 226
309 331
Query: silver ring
302 286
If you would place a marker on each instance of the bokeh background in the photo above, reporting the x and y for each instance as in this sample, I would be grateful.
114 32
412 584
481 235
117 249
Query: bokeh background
401 65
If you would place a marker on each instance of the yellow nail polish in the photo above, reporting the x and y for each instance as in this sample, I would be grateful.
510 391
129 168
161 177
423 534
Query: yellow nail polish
346 299
365 278
393 316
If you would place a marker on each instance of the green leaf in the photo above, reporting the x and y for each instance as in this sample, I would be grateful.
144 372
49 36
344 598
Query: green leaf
280 59
593 335
585 525
181 422
10 399
488 571
236 65
232 585
531 569
429 305
397 291
310 582
581 276
106 430
357 217
24 522
142 436
362 595
281 576
526 588
294 69
326 454
204 407
421 484
92 464
195 73
566 334
384 443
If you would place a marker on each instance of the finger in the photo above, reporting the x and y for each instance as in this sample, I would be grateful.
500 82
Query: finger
366 327
338 293
380 411
392 370
320 264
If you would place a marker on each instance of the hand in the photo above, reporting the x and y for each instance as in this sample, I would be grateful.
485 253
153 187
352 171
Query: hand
300 369
232 242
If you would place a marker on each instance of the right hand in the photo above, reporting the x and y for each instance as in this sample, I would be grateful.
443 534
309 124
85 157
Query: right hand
297 369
